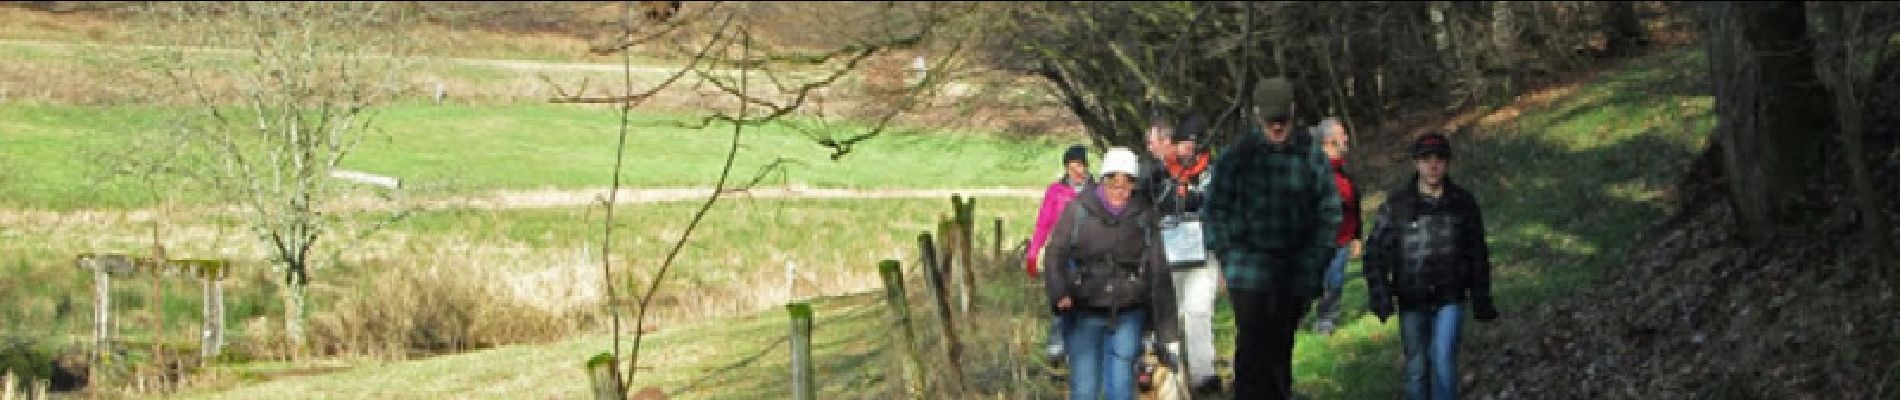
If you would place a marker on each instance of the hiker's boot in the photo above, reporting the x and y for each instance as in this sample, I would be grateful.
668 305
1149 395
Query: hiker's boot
1207 388
1328 312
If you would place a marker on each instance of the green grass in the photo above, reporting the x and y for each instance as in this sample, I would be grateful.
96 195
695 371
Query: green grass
739 240
64 157
731 358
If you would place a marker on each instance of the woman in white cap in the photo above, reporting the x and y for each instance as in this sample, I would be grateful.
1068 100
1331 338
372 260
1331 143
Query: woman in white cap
1119 285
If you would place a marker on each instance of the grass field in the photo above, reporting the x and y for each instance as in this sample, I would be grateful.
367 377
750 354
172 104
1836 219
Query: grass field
65 157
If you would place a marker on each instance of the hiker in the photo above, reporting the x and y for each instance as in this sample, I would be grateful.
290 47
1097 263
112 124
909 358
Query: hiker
1334 141
1160 131
1427 251
1269 218
1118 284
1179 192
1075 177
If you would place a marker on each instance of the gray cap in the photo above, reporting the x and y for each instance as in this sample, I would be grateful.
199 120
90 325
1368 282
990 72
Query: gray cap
1274 96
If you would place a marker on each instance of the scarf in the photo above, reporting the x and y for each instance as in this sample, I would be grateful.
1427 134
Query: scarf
1184 174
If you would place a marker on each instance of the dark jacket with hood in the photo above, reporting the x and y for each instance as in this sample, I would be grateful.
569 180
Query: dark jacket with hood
1122 250
1425 253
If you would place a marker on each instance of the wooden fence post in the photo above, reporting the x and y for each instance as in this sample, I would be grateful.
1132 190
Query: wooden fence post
211 337
602 373
803 387
996 244
947 233
966 232
101 315
951 346
8 387
895 298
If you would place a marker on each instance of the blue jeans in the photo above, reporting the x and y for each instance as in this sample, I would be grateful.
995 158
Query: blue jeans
1336 270
1431 340
1102 354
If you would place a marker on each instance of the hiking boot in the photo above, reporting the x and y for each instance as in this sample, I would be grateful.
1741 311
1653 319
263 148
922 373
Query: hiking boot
1208 388
1324 327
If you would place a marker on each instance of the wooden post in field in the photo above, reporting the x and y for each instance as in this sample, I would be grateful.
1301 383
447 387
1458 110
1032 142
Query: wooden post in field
8 387
996 244
966 235
894 297
103 266
950 345
211 335
155 270
803 383
947 259
603 375
40 386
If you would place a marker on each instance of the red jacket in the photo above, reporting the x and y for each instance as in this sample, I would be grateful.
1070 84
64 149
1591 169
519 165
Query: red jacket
1349 199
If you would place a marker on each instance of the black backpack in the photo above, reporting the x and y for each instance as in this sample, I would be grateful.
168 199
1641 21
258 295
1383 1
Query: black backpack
1109 282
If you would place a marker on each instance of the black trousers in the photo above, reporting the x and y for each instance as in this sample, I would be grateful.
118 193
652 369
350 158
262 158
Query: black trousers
1263 345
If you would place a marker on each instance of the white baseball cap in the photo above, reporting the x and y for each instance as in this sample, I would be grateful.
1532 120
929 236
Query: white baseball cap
1120 160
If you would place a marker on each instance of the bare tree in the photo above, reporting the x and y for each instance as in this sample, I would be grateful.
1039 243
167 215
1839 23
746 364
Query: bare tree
274 117
763 81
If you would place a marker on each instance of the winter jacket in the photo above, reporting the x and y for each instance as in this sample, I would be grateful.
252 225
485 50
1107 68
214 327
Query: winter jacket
1349 201
1425 253
1180 186
1123 250
1274 203
1054 199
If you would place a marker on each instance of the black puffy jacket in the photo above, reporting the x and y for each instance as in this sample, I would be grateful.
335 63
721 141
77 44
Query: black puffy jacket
1426 253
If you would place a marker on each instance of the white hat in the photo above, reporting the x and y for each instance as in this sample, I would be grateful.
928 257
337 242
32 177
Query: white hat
1119 160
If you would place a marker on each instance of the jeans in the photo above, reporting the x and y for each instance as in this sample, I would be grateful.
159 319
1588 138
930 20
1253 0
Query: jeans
1195 289
1263 348
1431 343
1102 354
1335 284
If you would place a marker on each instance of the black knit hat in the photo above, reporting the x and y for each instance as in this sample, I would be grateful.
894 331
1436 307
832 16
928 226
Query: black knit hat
1432 143
1192 127
1078 153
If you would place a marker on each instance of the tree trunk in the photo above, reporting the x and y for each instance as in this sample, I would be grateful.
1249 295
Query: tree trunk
296 302
1624 29
1774 112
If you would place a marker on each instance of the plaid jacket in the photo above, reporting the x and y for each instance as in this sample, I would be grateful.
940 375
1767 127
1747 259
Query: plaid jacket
1271 214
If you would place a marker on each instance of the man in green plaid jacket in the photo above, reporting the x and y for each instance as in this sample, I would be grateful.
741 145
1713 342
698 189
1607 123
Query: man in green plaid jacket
1270 216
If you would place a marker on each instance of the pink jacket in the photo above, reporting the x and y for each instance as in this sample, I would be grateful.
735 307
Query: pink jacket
1053 201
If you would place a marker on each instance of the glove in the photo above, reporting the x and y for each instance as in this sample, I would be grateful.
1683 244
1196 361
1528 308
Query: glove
1382 307
1483 310
1031 262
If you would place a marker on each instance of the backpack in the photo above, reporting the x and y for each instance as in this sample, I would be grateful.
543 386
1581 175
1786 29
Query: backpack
1108 283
